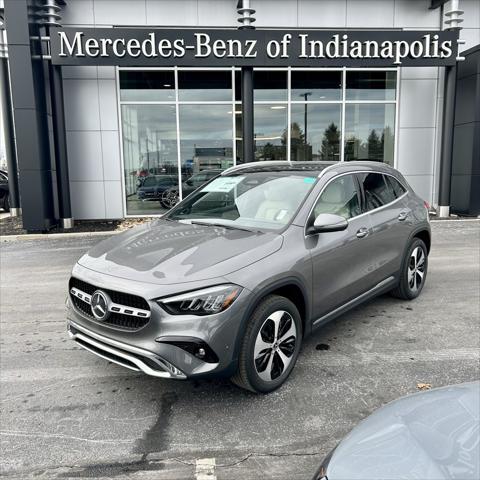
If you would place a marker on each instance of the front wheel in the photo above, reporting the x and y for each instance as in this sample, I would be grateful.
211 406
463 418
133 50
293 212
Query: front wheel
271 345
414 271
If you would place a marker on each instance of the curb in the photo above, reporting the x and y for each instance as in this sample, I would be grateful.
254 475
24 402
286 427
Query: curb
52 236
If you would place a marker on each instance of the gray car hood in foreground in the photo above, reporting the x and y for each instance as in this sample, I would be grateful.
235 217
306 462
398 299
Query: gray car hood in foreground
164 252
433 435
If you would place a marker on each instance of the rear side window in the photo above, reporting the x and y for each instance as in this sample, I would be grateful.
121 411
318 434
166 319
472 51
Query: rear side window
377 191
396 186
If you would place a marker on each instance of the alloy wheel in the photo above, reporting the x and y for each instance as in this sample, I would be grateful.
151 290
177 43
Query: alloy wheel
170 198
275 345
416 269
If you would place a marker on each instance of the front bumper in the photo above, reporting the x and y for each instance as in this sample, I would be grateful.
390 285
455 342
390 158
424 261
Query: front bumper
122 354
158 348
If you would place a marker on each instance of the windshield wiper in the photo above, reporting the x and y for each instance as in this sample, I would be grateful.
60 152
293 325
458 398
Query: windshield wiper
229 227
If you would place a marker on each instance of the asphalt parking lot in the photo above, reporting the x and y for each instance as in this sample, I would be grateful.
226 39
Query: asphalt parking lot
68 414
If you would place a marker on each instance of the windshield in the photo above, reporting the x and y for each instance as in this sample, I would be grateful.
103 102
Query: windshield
259 200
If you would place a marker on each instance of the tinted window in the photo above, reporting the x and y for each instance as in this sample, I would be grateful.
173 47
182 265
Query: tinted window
313 85
205 86
138 86
396 186
371 85
270 85
340 198
377 191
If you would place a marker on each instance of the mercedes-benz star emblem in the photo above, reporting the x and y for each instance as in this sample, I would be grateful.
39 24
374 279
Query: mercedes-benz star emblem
99 305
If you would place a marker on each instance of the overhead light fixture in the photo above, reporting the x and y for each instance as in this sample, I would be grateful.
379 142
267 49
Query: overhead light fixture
278 107
166 85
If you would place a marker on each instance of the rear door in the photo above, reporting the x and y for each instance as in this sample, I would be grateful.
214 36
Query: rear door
384 200
341 261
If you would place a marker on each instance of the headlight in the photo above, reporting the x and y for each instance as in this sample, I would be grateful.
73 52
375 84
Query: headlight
201 302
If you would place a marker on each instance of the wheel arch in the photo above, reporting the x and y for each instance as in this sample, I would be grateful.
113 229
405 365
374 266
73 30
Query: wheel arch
424 235
291 288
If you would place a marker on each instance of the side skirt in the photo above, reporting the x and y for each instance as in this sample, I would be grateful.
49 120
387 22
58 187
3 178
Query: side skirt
382 287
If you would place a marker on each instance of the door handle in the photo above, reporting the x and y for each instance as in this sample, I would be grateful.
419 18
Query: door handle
362 232
402 216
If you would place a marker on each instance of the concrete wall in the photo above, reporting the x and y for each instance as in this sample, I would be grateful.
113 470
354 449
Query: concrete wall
91 110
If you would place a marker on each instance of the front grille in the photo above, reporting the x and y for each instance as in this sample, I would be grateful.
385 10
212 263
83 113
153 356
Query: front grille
120 320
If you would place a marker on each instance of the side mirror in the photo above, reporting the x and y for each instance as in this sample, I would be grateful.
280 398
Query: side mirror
327 222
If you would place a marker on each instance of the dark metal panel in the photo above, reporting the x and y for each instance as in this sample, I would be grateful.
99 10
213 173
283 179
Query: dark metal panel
9 135
247 114
21 71
31 122
63 182
447 136
465 180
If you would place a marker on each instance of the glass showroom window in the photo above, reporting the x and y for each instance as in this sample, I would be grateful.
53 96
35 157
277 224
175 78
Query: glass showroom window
180 128
315 115
369 132
177 134
270 115
206 125
315 132
370 116
138 86
149 156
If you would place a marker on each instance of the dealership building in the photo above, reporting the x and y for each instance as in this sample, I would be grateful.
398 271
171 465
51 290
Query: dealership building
116 108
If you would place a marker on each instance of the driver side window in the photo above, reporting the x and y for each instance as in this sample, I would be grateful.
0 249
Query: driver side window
340 197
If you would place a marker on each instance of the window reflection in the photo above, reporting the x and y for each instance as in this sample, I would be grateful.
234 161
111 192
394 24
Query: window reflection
270 132
371 85
137 86
316 85
150 156
315 132
270 85
208 130
206 138
369 132
208 86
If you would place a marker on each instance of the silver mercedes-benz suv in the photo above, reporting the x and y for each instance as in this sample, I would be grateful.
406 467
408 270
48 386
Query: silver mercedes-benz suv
232 279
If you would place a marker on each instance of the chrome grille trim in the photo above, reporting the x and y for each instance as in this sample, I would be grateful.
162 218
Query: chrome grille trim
112 307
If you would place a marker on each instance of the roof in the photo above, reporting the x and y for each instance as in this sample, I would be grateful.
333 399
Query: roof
279 166
282 165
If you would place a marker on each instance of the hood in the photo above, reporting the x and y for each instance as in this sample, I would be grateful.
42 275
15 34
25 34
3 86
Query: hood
164 252
430 435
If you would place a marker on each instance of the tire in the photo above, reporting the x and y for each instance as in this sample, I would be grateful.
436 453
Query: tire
414 271
6 203
265 361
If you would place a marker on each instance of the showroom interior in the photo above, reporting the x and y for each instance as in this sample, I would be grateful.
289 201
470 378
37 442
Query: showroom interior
117 141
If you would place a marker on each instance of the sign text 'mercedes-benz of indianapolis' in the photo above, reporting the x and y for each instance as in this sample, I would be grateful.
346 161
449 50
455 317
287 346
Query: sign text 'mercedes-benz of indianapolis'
309 48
